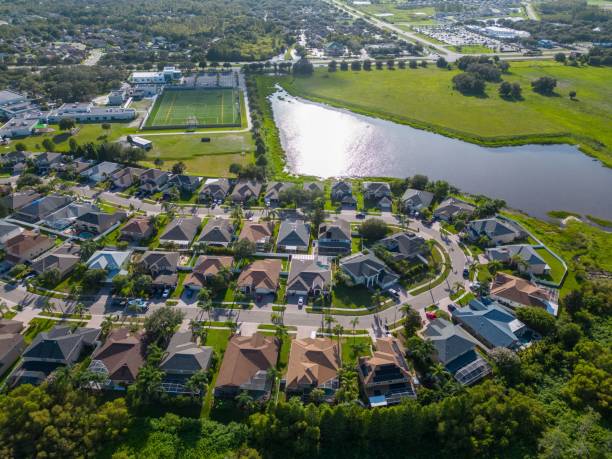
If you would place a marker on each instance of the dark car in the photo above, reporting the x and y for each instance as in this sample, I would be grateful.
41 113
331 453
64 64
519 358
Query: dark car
360 215
466 273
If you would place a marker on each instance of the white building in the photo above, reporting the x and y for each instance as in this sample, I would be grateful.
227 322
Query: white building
19 127
140 142
87 112
167 75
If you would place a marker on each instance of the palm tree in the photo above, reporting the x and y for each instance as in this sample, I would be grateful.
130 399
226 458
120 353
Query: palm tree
354 323
244 401
47 306
276 318
329 320
338 331
79 309
438 372
376 298
107 325
281 333
196 384
76 290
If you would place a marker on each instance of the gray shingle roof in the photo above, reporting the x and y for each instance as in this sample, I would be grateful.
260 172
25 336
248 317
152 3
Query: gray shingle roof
181 229
293 233
449 340
219 230
185 356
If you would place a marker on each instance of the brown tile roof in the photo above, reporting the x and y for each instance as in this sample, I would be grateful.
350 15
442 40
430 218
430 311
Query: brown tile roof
207 265
27 240
10 326
388 352
261 274
244 357
312 361
137 225
122 354
519 290
255 231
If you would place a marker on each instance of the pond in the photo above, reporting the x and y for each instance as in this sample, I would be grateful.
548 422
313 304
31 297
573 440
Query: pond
327 142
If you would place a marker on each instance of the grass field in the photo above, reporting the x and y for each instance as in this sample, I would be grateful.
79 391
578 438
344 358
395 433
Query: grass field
425 98
471 49
196 108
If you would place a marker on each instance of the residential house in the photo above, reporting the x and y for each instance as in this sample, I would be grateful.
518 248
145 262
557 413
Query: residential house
524 256
517 292
314 187
495 230
245 366
493 324
12 343
153 181
452 208
368 270
385 204
182 360
12 158
375 190
274 190
8 231
245 190
259 233
119 359
385 376
45 162
59 347
41 208
100 172
456 350
405 246
66 216
137 229
293 236
309 276
161 266
181 231
114 262
416 200
206 267
64 259
186 183
126 177
334 238
218 232
215 189
25 247
313 364
260 277
19 199
72 169
98 222
342 191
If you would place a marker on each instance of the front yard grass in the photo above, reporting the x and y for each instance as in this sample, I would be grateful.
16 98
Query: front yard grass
352 297
39 325
348 351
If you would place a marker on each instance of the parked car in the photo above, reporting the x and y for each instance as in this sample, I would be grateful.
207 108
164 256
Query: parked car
166 293
394 293
138 305
360 215
301 301
466 273
452 307
430 315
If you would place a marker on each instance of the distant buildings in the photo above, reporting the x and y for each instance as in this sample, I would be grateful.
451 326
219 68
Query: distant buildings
167 75
84 112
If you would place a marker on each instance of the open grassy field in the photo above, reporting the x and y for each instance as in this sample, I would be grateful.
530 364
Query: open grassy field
425 98
471 49
390 12
196 108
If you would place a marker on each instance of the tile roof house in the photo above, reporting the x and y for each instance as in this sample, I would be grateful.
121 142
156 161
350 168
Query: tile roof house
182 360
309 276
181 231
245 190
293 236
100 172
313 364
260 277
8 231
161 266
45 161
274 190
206 266
493 324
259 233
525 257
19 199
385 376
369 270
186 183
153 180
137 229
12 343
452 207
218 232
61 346
64 259
405 245
114 262
245 366
496 230
66 216
416 200
98 222
334 238
456 350
27 246
126 177
119 359
215 189
517 292
41 208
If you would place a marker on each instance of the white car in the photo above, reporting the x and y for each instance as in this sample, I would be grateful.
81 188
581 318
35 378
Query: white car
166 293
301 301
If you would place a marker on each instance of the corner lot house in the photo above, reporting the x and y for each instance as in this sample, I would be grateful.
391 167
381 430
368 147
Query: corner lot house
100 172
416 200
245 366
119 359
64 259
334 238
11 343
526 259
517 292
114 262
181 231
246 190
405 246
214 189
313 364
218 232
41 208
261 277
293 236
309 276
183 359
456 350
452 208
161 266
385 377
368 270
259 233
493 324
27 246
137 229
496 230
206 267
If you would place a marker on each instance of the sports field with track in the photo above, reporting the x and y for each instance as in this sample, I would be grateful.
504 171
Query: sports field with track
195 108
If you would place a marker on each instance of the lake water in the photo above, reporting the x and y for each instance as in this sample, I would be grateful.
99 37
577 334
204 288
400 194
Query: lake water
326 142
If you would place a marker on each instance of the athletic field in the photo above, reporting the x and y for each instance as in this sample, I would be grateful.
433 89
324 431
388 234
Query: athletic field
193 108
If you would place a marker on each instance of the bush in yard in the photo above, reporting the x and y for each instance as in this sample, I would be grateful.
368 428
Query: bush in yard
373 229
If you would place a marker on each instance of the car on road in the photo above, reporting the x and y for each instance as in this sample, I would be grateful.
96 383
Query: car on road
466 273
138 305
360 215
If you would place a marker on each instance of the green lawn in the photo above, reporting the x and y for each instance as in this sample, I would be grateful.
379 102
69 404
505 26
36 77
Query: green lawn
356 296
556 268
39 325
471 49
418 16
349 357
425 98
218 340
